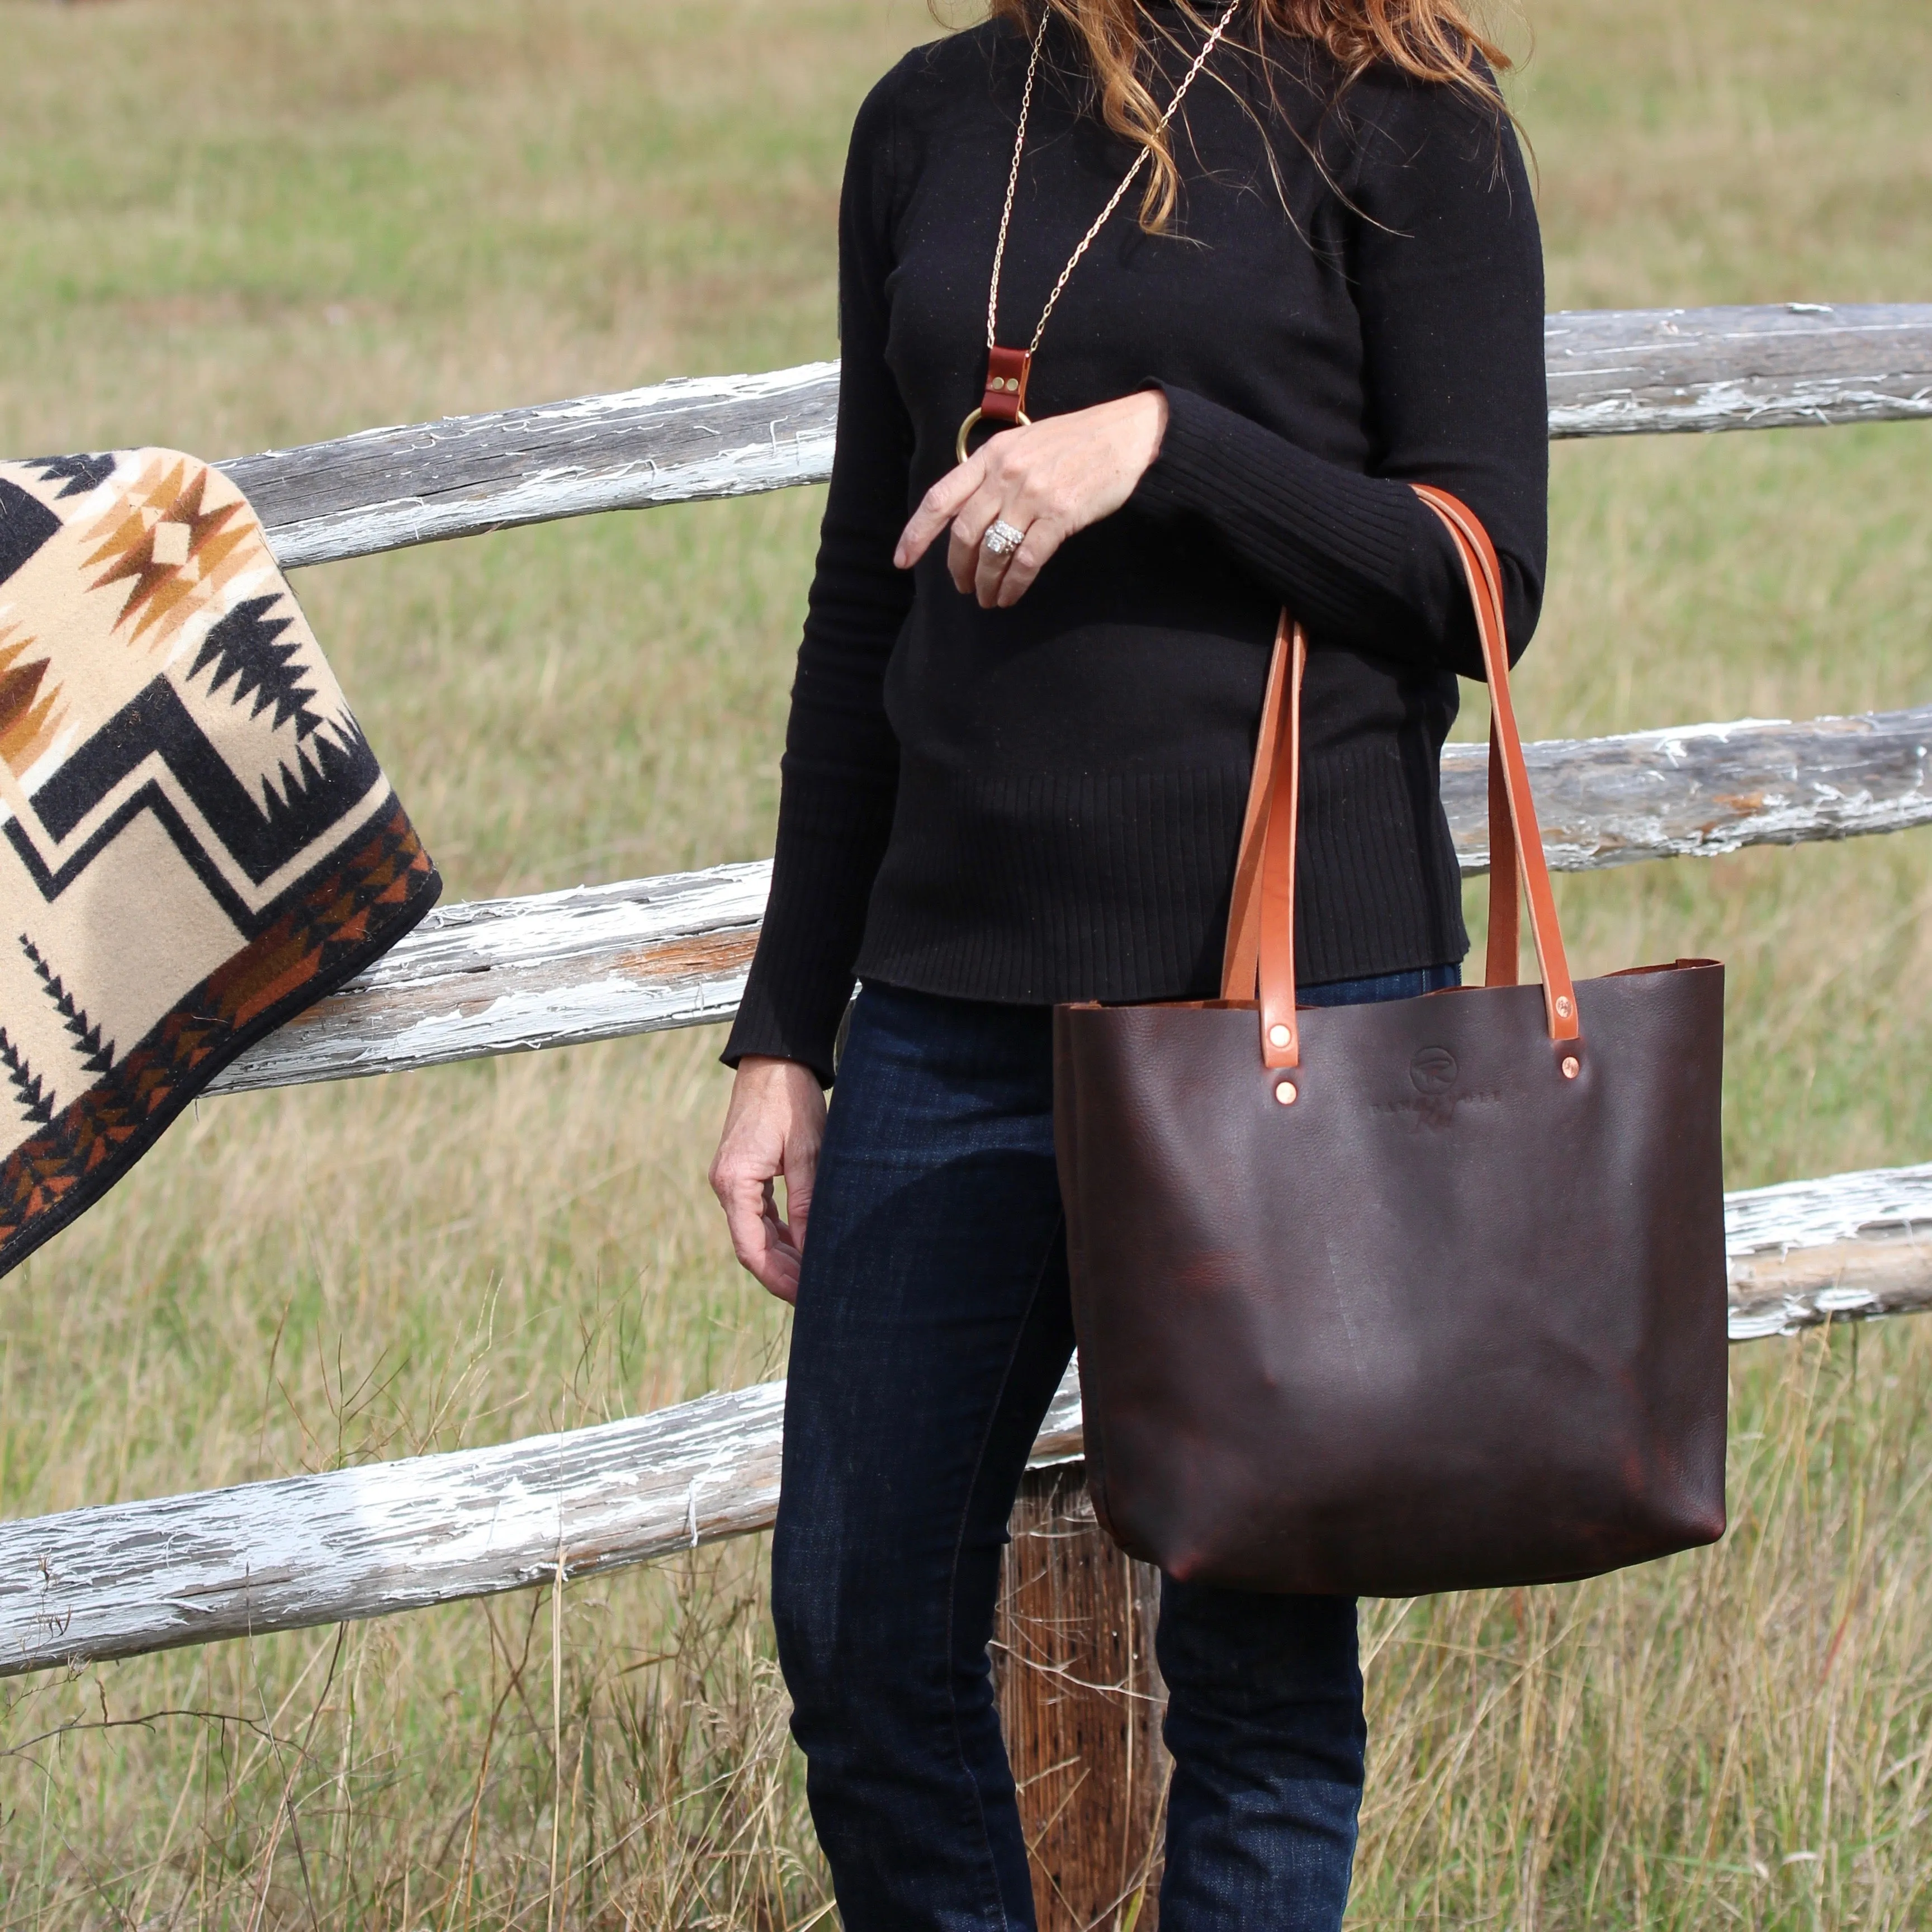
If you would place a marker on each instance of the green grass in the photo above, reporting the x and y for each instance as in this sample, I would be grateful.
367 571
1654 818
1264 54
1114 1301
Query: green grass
237 224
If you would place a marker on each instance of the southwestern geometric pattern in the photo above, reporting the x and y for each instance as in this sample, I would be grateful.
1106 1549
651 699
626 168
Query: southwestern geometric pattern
196 840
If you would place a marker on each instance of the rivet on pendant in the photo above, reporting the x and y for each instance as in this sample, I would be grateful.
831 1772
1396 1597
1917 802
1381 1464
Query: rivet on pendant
1563 1006
1286 1093
1572 1067
1280 1036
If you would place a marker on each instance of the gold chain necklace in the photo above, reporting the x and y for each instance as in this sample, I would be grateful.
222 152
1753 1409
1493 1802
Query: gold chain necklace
1007 370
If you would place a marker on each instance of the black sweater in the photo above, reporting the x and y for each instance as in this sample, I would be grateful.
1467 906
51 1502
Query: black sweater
1043 803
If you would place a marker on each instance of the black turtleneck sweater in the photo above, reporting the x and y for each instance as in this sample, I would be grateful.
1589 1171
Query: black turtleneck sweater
1043 803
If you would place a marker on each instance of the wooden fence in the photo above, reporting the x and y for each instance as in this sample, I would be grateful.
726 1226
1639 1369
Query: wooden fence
556 969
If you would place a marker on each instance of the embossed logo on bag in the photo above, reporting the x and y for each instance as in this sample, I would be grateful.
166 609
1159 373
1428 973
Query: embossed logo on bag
1433 1070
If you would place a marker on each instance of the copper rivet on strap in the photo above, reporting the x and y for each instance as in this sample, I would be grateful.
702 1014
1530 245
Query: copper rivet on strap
1572 1067
1286 1094
1279 1036
1562 1006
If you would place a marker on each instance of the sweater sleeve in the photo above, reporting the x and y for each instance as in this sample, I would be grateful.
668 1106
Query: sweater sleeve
1446 265
839 773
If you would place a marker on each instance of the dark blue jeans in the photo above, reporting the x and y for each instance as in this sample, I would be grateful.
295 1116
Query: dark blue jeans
932 1328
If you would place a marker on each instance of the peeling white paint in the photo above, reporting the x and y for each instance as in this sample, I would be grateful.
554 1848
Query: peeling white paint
508 976
560 969
303 1550
1855 1246
1822 1214
544 496
1796 364
1611 373
1765 404
469 479
1705 791
127 1578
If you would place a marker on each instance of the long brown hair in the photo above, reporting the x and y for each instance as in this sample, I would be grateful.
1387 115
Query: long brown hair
1429 39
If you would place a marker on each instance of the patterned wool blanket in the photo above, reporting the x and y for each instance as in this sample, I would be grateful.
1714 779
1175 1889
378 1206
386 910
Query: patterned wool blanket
198 842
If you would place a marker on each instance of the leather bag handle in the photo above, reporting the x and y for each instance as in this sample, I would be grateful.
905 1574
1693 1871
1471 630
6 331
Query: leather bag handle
1259 957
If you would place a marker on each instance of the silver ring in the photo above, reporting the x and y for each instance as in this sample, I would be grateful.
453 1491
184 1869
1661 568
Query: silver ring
1001 538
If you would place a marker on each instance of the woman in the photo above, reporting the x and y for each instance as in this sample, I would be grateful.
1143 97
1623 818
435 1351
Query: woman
1019 748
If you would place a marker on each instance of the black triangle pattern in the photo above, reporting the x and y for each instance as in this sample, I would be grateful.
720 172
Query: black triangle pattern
243 646
35 1102
312 796
80 473
25 523
260 831
100 1057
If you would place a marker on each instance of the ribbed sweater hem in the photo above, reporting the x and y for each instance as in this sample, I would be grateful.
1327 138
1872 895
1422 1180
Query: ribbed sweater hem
1035 888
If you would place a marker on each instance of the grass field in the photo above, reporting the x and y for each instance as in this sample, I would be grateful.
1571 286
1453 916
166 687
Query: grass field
227 224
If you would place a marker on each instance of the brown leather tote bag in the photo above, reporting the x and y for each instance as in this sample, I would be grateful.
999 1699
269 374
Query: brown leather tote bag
1427 1295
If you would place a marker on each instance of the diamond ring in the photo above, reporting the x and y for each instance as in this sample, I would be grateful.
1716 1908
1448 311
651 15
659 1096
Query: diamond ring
1001 538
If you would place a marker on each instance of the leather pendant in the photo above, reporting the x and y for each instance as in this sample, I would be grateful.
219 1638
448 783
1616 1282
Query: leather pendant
1005 399
1006 373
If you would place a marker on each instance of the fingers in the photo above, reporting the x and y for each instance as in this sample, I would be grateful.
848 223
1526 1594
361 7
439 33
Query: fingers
1043 538
997 494
993 582
989 569
973 567
1018 485
801 1175
963 498
759 1238
783 1249
772 1130
1007 494
1062 473
937 508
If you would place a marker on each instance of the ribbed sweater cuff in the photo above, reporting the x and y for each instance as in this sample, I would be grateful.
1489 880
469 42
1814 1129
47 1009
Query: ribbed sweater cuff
832 834
1358 558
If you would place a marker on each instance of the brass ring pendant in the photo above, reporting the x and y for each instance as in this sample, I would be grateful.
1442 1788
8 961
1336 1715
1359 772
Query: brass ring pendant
972 422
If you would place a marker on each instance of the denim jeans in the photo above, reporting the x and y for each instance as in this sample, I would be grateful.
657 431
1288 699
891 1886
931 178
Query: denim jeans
932 1328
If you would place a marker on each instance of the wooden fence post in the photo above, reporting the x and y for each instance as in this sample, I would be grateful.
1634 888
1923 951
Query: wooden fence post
1080 1698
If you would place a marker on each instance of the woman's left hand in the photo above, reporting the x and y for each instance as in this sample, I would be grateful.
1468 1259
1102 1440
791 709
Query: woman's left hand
1049 479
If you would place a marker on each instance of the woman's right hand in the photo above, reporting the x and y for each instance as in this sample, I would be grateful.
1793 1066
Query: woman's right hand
772 1131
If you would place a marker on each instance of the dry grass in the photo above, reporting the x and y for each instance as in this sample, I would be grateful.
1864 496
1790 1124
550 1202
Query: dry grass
237 223
1740 1736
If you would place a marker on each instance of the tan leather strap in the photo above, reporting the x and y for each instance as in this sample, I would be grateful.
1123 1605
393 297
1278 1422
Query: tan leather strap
1281 1034
1259 959
1519 822
1499 958
1241 960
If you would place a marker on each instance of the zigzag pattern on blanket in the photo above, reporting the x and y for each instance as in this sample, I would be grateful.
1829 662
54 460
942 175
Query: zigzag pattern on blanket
198 840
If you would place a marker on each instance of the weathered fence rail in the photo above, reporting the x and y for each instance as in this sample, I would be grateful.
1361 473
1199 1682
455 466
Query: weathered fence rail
1799 364
559 969
504 976
1611 373
299 1551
